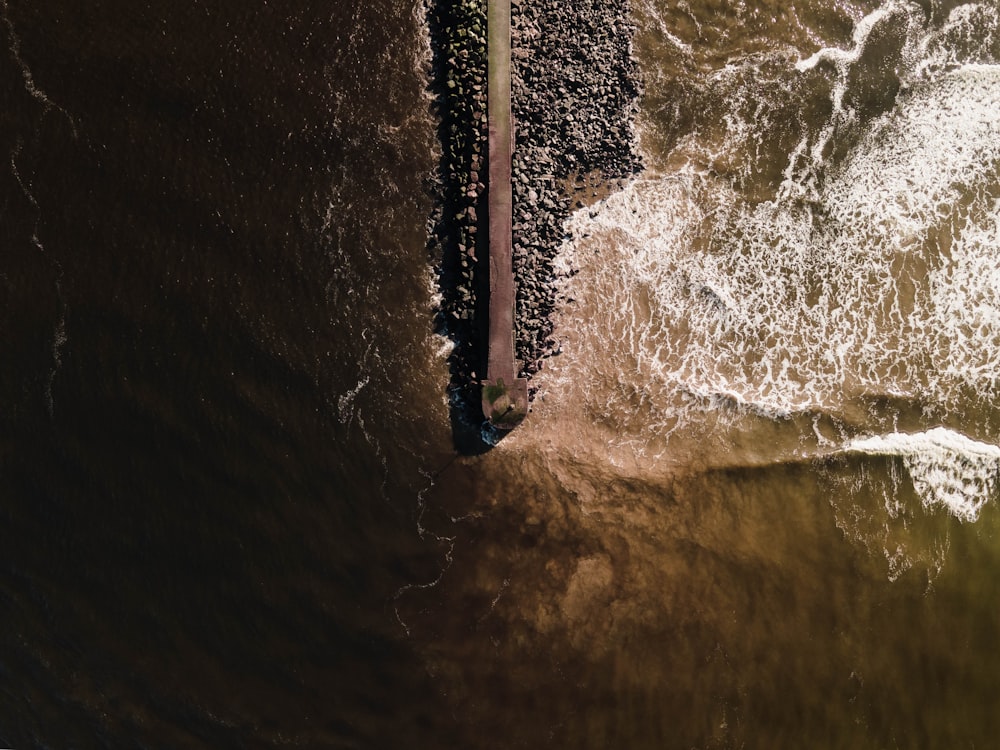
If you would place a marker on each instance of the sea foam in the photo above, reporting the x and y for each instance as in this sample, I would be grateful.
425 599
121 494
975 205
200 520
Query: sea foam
879 283
948 469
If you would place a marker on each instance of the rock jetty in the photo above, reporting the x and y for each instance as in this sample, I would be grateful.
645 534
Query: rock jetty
574 92
457 237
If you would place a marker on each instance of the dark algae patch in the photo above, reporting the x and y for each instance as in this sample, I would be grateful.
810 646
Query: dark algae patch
500 404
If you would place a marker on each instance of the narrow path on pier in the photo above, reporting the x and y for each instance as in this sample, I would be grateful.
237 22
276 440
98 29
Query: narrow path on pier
505 396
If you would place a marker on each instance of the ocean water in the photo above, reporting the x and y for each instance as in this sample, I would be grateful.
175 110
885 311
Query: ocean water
755 504
215 299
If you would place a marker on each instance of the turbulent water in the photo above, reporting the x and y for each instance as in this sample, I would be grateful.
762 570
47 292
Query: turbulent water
755 504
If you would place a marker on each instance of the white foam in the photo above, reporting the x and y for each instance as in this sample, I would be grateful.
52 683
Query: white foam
27 76
948 469
912 166
842 59
967 36
871 281
786 307
903 19
653 14
345 402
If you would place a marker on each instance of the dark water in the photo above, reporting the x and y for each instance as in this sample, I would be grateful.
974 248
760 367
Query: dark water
210 443
755 505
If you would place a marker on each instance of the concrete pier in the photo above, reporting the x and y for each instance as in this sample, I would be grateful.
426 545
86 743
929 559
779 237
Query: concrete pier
505 396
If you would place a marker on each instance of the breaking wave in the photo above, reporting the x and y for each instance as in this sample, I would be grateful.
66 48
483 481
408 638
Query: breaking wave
948 470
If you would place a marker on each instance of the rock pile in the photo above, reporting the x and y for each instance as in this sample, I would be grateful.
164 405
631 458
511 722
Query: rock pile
575 91
458 235
574 95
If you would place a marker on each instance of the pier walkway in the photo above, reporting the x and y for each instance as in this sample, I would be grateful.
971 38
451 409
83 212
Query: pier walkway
505 396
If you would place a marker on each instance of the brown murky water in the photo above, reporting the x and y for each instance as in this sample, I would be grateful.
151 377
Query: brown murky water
755 505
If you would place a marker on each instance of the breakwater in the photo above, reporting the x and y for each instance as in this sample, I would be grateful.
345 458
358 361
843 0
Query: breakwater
574 92
505 395
457 247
